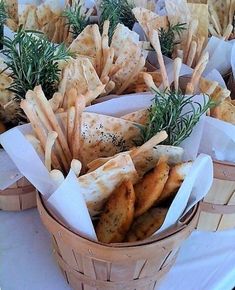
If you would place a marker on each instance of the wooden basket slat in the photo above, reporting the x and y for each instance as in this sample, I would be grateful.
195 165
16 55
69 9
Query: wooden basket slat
102 270
88 267
228 220
66 253
19 196
138 268
113 267
121 271
78 258
216 211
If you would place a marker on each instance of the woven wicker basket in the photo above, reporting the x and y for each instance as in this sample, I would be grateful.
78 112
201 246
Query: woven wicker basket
217 210
94 266
19 196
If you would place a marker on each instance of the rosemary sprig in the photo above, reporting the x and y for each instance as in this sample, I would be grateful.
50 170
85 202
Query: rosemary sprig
116 11
175 113
33 60
3 13
77 18
168 36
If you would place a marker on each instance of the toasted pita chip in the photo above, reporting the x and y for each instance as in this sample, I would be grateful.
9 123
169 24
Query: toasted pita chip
148 19
128 60
120 36
44 15
31 22
118 215
220 8
176 177
177 11
94 186
145 225
55 6
105 136
84 44
140 116
149 189
201 13
8 108
81 75
225 112
12 9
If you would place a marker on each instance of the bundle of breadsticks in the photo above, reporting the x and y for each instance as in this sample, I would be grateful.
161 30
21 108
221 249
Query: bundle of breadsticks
188 42
49 17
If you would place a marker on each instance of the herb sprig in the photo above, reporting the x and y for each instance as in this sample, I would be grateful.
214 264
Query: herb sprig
167 37
116 11
77 18
175 113
33 60
3 13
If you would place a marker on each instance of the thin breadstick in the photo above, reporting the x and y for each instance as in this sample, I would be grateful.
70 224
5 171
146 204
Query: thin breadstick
109 88
49 144
76 166
180 54
79 107
59 111
71 97
35 143
191 31
70 125
177 68
200 67
228 32
189 88
56 101
148 79
57 176
105 43
115 68
105 39
200 43
98 46
105 80
192 53
215 20
226 15
107 64
154 39
137 69
42 101
212 31
91 95
158 138
231 12
211 88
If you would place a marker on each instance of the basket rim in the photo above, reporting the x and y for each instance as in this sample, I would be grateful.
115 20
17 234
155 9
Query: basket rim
182 230
224 163
217 208
224 170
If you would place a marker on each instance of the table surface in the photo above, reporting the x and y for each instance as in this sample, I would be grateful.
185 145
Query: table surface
206 260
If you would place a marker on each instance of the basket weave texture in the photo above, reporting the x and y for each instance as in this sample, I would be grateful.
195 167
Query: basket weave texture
89 265
217 210
19 196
